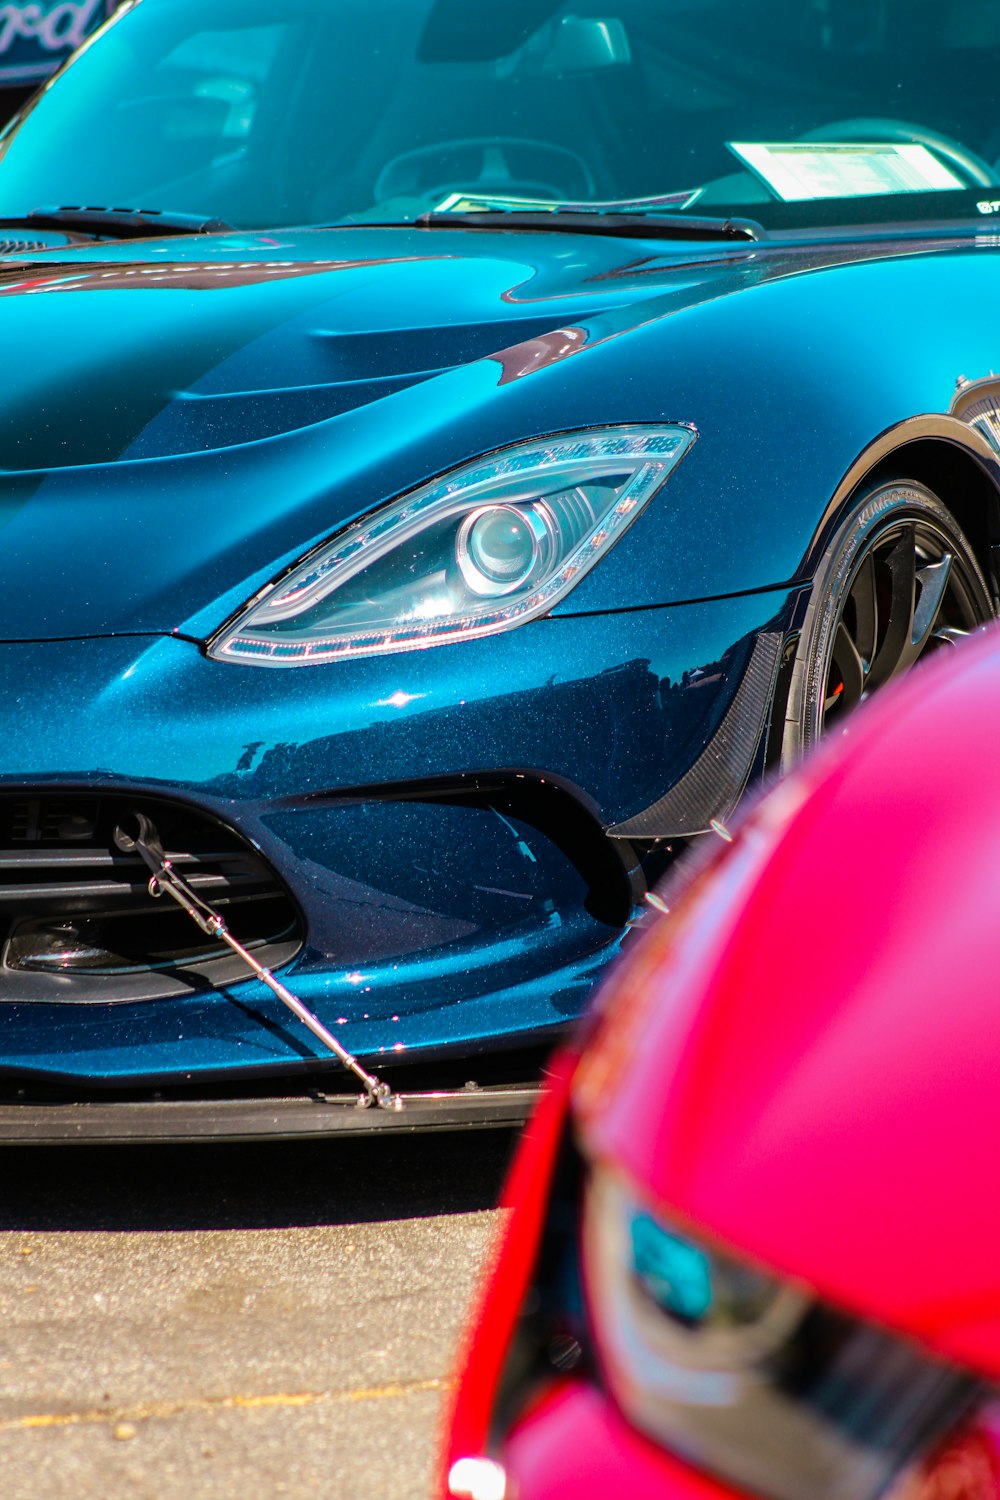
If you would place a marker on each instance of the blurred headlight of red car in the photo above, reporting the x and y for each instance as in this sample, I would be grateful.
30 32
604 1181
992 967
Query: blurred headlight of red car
748 1375
612 1308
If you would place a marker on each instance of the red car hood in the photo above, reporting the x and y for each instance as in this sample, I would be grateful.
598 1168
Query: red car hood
804 1060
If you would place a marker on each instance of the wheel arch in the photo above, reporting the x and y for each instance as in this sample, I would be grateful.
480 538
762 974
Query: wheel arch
923 585
948 456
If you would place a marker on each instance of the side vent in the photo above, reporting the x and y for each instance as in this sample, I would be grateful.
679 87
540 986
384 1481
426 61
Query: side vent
713 785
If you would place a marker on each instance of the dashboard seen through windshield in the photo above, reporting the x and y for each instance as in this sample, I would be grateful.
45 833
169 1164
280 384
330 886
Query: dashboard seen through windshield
795 113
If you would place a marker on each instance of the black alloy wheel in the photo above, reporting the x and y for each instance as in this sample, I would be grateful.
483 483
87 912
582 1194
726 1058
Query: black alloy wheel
898 582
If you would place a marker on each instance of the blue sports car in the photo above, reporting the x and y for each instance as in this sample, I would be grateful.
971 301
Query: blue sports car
447 451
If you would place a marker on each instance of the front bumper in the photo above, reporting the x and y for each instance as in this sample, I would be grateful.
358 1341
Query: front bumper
576 1445
438 820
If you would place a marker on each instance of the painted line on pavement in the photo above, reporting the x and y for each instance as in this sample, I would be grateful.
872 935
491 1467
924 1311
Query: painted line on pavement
153 1410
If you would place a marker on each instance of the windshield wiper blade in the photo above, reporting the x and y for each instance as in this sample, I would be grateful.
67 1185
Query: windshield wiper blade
596 221
116 223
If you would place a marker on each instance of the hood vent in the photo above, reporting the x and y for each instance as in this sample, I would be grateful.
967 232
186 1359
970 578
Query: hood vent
358 369
12 245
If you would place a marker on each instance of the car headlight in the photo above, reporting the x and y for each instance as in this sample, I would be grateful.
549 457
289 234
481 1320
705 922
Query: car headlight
489 546
749 1376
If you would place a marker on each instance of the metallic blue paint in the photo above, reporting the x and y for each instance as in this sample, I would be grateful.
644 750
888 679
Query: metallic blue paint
190 417
206 419
308 765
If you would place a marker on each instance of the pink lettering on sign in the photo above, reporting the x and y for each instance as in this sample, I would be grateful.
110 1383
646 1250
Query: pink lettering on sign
57 28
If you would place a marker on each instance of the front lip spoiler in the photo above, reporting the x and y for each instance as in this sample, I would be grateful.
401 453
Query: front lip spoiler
285 1117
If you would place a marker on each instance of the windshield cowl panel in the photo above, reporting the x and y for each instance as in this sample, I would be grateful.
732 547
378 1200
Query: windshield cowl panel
729 113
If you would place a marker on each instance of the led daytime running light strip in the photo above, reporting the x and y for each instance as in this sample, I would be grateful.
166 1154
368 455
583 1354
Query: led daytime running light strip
364 543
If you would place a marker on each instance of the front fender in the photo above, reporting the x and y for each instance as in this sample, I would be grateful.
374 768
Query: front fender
799 388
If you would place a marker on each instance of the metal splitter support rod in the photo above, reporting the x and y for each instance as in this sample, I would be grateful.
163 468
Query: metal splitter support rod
164 879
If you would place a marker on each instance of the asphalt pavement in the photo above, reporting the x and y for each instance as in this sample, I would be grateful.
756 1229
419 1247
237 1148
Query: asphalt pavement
236 1320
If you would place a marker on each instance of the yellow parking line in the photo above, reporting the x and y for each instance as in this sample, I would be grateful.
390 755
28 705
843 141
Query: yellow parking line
152 1410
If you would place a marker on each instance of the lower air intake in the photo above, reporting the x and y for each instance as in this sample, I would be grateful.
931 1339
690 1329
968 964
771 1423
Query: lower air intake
77 922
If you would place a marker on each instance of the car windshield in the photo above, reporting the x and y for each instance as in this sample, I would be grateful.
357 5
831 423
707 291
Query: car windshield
799 114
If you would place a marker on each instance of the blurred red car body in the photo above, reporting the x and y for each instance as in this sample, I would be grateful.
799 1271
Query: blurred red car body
790 1089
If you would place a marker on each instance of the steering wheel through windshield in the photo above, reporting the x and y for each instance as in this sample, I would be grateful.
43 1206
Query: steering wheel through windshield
508 166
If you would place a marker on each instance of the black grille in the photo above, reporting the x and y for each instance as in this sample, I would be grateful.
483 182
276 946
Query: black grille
77 922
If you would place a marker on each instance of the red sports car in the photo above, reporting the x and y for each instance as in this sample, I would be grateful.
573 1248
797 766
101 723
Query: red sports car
755 1241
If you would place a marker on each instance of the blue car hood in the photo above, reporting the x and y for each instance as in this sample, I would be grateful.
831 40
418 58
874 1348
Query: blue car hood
188 415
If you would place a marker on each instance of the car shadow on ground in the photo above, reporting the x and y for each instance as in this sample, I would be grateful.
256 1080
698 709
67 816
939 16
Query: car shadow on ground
272 1185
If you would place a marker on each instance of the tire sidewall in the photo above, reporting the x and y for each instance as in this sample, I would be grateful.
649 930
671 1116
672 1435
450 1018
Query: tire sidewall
875 512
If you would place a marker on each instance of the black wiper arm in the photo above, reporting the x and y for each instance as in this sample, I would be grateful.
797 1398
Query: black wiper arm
116 223
575 221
